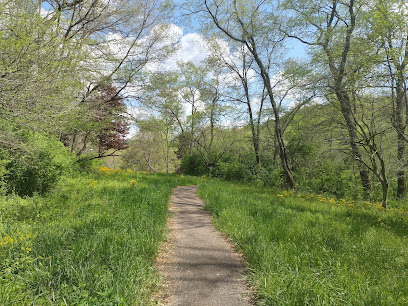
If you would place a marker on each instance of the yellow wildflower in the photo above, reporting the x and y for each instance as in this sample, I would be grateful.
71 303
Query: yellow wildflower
7 239
132 182
106 170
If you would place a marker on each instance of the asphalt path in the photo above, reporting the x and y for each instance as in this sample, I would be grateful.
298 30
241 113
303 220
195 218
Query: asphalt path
203 268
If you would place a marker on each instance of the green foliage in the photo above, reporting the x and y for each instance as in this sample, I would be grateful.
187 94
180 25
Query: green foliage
309 250
269 176
92 241
330 179
37 166
233 171
230 168
193 165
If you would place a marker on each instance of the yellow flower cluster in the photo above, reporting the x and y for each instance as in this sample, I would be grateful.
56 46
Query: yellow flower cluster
285 194
318 197
6 240
342 202
23 239
108 170
132 182
92 183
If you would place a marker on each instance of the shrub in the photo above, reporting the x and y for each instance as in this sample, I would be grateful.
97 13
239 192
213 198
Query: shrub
330 179
36 166
235 171
193 165
270 176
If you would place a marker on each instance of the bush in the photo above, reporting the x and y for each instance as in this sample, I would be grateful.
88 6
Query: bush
270 176
193 165
37 166
330 179
235 171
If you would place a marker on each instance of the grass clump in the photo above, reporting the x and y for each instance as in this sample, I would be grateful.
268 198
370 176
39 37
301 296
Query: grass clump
91 241
311 250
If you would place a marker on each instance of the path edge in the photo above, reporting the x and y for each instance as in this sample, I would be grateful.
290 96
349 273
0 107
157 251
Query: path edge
165 252
249 294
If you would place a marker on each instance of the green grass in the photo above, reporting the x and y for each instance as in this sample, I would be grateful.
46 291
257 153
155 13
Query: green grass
92 241
309 250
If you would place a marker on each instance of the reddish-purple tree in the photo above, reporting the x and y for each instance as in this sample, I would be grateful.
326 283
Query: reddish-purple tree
110 109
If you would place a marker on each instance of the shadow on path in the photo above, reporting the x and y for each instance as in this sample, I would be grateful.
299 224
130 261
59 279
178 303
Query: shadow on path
203 270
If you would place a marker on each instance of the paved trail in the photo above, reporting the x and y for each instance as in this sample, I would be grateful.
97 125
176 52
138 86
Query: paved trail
203 268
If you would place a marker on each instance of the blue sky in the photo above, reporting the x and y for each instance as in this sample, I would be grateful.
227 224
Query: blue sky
295 48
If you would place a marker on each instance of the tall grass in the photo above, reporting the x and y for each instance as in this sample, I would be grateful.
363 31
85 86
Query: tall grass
92 241
311 250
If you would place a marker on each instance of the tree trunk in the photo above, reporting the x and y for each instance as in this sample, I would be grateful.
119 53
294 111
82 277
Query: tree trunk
384 185
283 153
212 124
255 138
400 127
167 153
347 113
401 178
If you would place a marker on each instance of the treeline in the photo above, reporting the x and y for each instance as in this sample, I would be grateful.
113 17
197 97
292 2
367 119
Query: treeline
64 70
75 75
333 121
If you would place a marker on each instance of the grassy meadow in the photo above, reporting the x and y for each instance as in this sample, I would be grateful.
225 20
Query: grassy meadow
92 240
312 250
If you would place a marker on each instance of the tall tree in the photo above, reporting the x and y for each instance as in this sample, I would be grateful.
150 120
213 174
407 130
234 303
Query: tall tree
240 63
389 30
254 24
330 26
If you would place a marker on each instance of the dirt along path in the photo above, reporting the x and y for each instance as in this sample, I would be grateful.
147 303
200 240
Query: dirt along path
203 268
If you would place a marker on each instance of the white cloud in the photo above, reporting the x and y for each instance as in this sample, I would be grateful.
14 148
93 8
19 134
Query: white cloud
46 14
192 48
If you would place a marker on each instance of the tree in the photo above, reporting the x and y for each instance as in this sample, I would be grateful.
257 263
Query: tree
151 149
112 108
37 69
254 24
389 32
100 127
241 65
330 27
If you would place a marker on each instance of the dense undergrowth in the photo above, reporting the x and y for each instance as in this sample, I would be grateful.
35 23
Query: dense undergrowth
90 241
312 250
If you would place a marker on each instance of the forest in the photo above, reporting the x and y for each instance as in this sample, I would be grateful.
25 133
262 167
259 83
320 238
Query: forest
84 80
307 97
